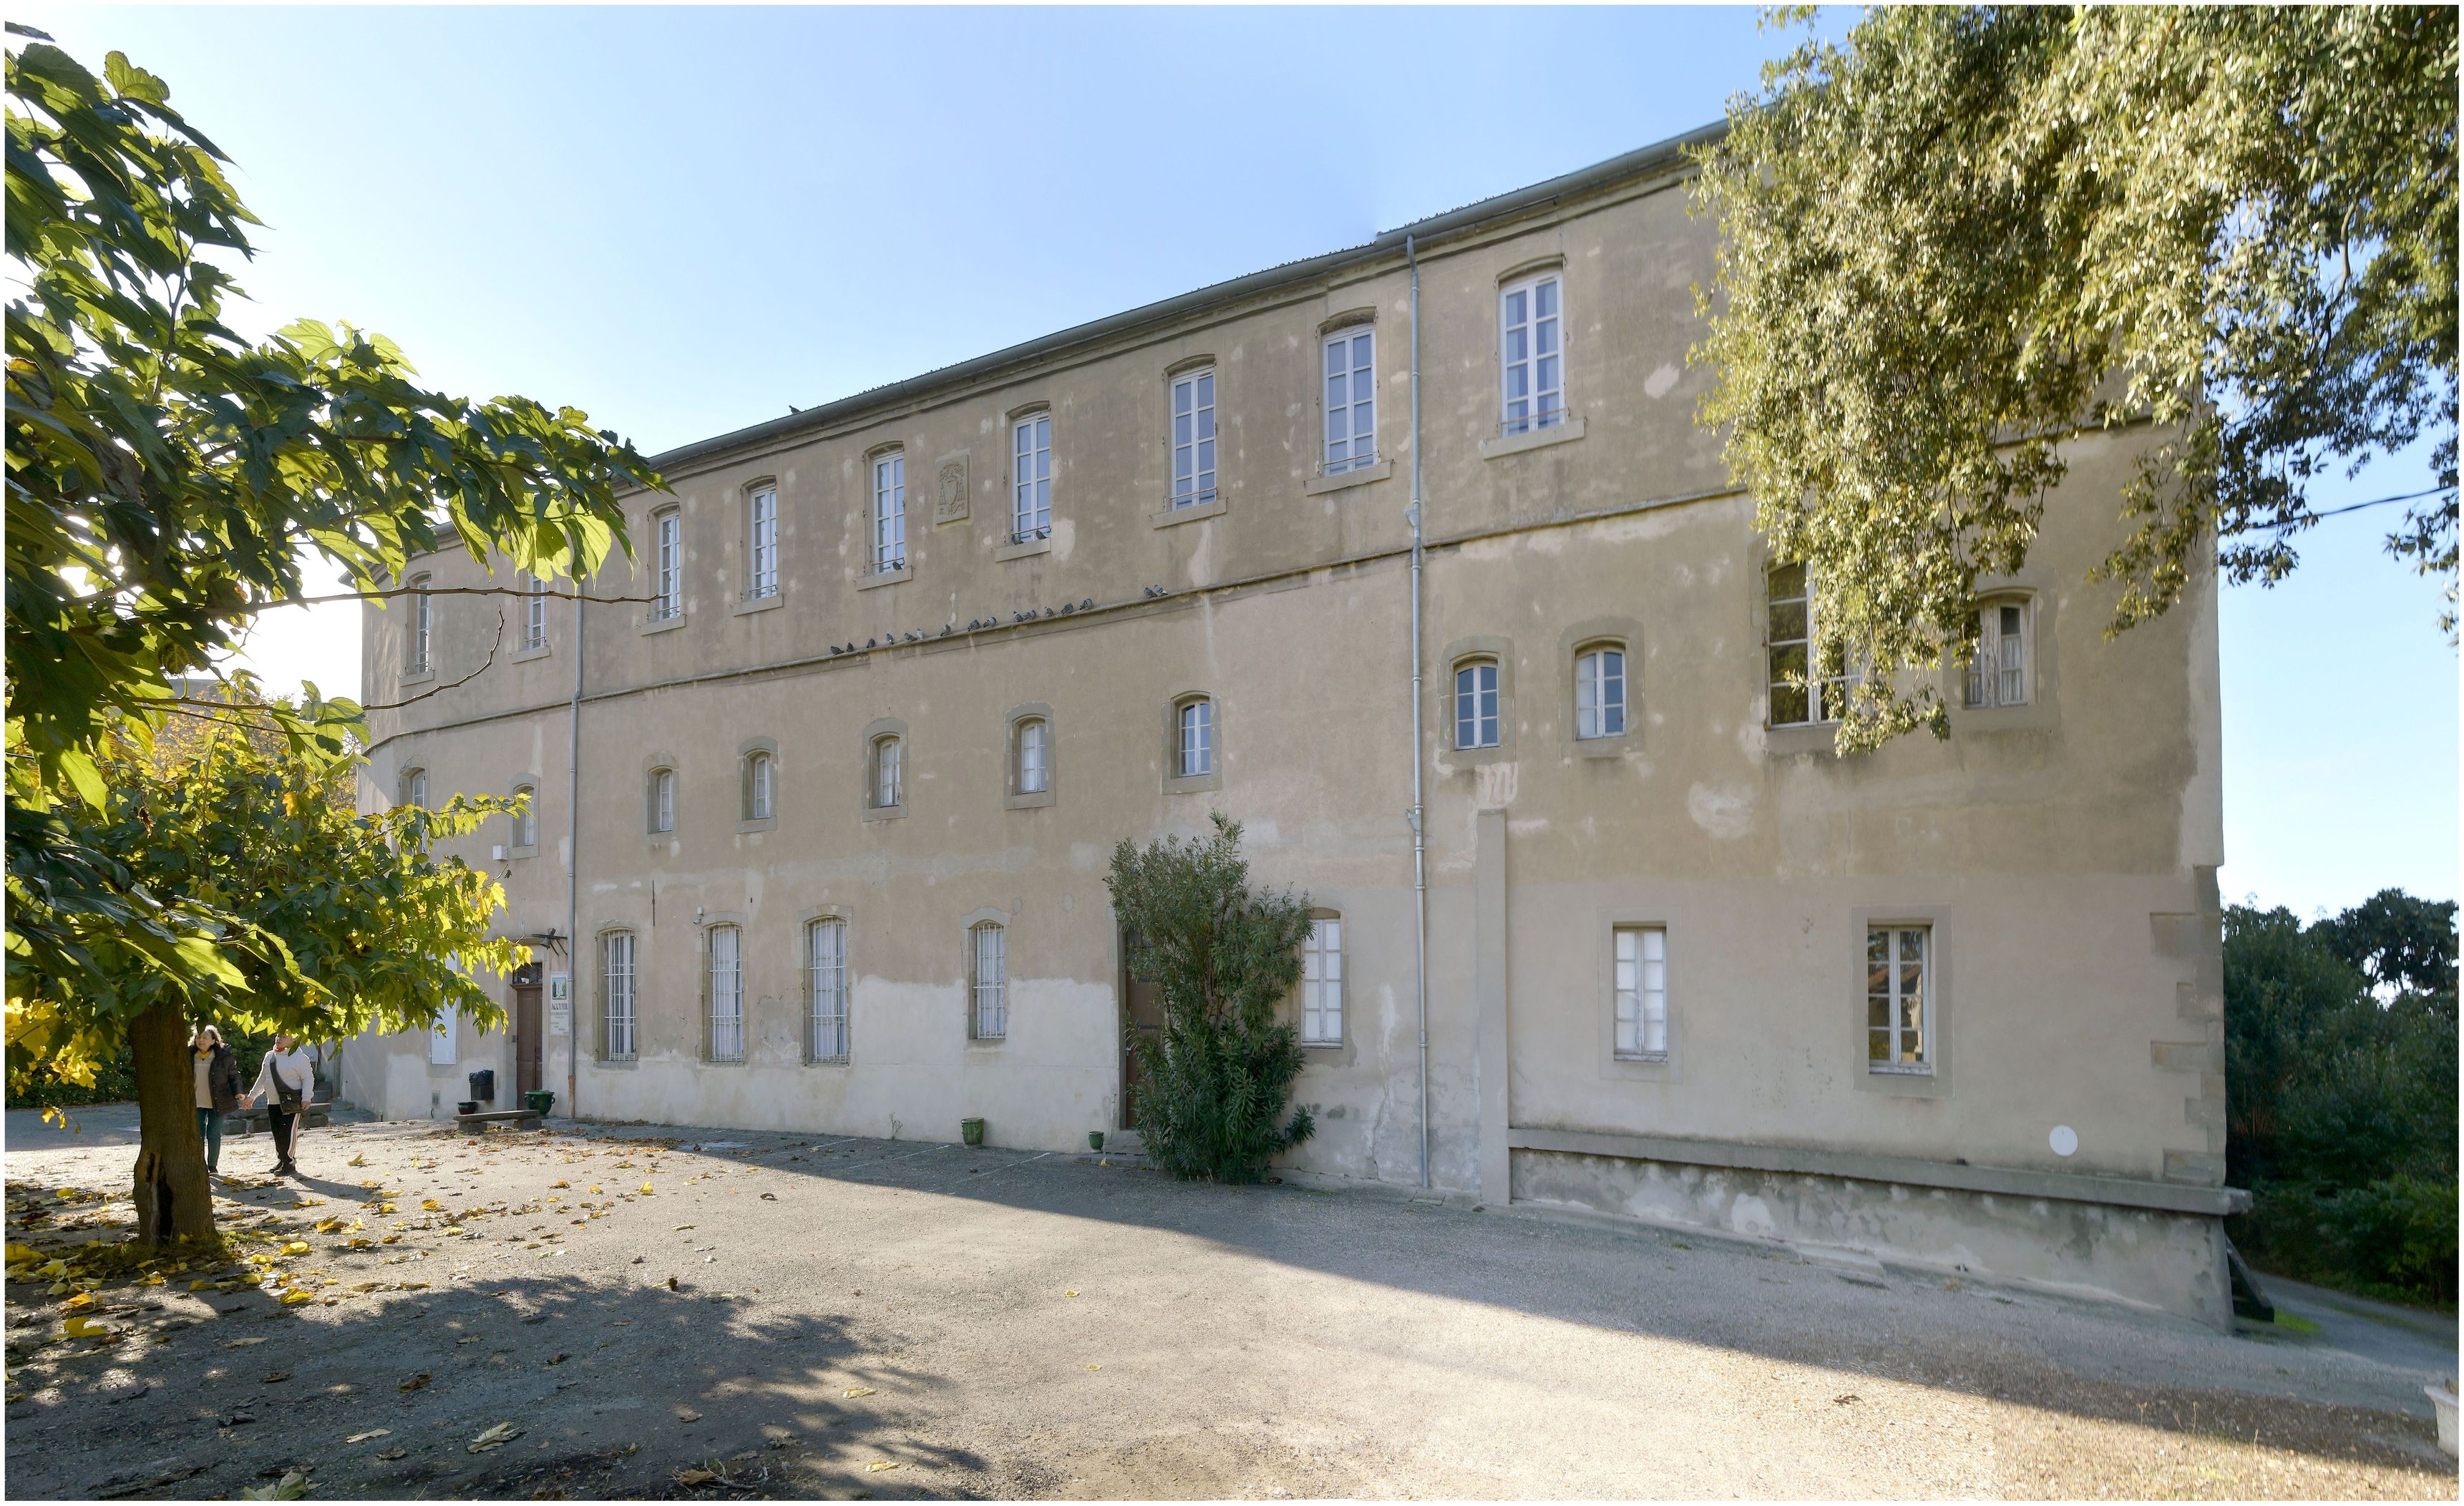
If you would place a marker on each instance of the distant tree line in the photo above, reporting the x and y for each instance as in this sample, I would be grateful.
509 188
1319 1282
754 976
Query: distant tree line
2341 1093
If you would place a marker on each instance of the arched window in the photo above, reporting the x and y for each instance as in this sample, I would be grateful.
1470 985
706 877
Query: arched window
726 994
888 789
1476 704
1196 744
1034 755
825 987
419 645
659 801
760 780
989 981
1322 982
414 787
526 816
1599 691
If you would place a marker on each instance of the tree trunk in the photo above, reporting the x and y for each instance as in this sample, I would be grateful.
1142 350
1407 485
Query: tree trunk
173 1198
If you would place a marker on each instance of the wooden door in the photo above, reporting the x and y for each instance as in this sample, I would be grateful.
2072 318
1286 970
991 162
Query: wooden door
529 1037
1141 1015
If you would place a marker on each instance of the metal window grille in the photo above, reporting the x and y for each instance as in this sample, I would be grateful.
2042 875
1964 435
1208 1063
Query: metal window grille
1998 676
884 773
663 800
668 597
534 612
1476 706
1899 998
756 786
1351 400
418 651
1641 992
1322 984
1196 739
764 578
1034 756
991 982
726 994
1193 438
1531 347
616 995
1600 693
1032 478
826 988
890 513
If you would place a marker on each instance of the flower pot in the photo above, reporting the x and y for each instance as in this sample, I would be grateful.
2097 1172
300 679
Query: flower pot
1094 1140
972 1131
539 1101
466 1106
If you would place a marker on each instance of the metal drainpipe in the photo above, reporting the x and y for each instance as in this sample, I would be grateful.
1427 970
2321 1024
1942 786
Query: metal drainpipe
1419 838
573 865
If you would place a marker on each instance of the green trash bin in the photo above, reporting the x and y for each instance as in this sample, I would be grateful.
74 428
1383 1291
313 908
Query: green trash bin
972 1131
539 1101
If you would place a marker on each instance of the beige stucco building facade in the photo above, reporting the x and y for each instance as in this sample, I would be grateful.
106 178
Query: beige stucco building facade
1654 894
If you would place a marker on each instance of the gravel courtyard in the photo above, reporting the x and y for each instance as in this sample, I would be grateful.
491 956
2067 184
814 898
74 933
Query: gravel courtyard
652 1311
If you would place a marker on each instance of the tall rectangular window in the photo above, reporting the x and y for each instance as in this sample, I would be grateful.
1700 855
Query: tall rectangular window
440 1038
663 800
527 820
1600 693
826 987
1899 998
616 995
1193 438
1196 739
1032 478
991 982
890 511
1322 983
757 777
762 537
1351 400
1789 646
418 656
1999 674
726 994
668 588
534 612
1532 355
1034 755
1641 992
1475 705
884 773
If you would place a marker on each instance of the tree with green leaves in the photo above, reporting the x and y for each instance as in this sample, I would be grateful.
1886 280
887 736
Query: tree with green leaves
1966 236
1215 1080
165 478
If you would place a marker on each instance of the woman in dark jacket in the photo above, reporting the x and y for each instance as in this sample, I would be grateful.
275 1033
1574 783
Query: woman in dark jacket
216 1068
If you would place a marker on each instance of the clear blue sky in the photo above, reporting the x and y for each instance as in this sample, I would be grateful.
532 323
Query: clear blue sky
684 220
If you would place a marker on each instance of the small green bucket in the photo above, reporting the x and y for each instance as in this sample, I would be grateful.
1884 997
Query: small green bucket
972 1131
539 1101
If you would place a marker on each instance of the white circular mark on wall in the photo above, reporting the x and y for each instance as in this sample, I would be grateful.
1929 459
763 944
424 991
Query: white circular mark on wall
2064 1140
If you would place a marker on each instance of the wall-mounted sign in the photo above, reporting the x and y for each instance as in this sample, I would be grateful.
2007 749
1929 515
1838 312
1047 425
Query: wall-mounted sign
559 1004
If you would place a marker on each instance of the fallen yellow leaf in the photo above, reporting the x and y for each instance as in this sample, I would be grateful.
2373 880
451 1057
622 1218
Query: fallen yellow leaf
359 1160
646 1190
859 1390
879 1465
296 1247
559 1183
295 1297
373 1433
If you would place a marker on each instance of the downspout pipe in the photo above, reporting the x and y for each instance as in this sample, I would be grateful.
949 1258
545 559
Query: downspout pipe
573 862
1420 834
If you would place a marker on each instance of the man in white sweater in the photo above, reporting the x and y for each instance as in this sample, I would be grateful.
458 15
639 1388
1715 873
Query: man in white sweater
285 1081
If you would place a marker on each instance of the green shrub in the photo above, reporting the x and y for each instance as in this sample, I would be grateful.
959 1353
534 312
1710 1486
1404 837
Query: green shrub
2341 1093
1214 1078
